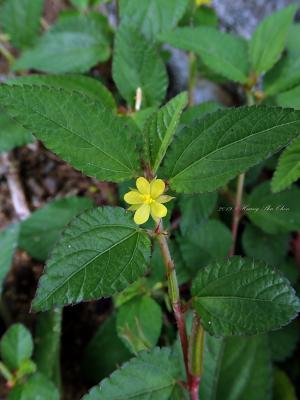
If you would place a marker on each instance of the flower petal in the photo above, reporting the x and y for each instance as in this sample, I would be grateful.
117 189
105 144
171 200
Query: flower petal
157 188
158 210
134 207
142 214
164 198
133 197
143 185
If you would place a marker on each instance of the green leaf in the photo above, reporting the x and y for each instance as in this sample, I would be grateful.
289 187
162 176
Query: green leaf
289 98
290 270
274 213
80 4
204 243
137 64
16 346
43 228
8 243
236 368
104 353
269 39
36 388
283 388
292 43
74 44
20 19
47 344
152 17
272 249
139 323
213 150
79 130
243 297
149 375
12 134
283 342
90 87
284 75
160 129
288 168
100 253
196 209
222 52
199 111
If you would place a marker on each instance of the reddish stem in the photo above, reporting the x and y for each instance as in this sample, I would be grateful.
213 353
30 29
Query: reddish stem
237 212
194 387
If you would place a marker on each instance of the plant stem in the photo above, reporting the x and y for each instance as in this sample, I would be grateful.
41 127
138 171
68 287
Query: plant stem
7 54
174 294
192 78
5 372
237 212
196 355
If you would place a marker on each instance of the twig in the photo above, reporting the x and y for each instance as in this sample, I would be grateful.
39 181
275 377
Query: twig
15 186
174 294
237 212
196 355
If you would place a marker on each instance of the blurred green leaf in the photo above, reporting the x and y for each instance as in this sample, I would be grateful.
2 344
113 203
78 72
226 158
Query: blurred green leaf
271 249
8 243
274 213
38 387
139 323
283 388
16 346
104 353
152 17
283 342
137 64
20 19
222 52
43 228
74 44
269 39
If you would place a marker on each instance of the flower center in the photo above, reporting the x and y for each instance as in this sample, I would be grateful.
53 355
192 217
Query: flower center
147 199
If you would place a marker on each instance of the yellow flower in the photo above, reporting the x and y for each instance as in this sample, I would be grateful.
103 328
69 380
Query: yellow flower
147 199
200 3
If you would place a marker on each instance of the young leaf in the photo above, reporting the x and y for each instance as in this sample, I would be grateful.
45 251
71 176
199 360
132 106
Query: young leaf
211 151
74 44
8 244
274 213
12 134
243 297
269 39
222 52
152 17
139 323
79 130
80 4
100 253
237 368
90 87
137 64
47 344
104 353
16 346
204 243
272 249
283 342
36 388
20 19
160 129
150 375
42 229
196 209
288 168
